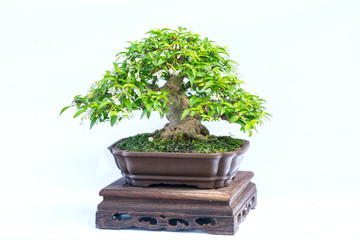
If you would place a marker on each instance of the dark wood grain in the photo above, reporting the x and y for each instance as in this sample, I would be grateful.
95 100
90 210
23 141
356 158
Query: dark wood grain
217 211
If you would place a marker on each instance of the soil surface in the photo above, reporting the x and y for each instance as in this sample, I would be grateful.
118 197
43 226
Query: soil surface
150 142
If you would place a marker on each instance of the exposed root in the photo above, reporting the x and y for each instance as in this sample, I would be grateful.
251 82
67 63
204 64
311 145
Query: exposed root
192 129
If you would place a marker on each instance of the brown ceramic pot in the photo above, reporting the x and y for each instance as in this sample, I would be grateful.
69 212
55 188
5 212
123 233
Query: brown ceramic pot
203 170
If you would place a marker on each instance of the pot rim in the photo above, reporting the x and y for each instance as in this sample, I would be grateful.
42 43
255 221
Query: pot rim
115 150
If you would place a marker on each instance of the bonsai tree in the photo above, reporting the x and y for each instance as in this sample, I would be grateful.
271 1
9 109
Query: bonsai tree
180 75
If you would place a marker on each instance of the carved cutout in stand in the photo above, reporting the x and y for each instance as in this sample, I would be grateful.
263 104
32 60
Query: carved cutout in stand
216 211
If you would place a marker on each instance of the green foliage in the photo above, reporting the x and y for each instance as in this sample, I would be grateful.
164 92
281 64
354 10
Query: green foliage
210 82
150 143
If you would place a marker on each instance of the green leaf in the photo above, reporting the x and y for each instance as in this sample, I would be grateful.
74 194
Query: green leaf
192 101
93 122
207 85
112 113
128 105
103 104
148 107
64 109
113 120
218 109
143 113
161 61
115 66
156 104
211 113
185 113
254 121
79 112
193 113
191 80
205 40
234 118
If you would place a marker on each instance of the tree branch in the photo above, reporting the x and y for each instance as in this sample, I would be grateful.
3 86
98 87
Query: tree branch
153 87
173 84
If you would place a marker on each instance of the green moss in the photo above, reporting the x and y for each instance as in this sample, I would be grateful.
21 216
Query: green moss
149 142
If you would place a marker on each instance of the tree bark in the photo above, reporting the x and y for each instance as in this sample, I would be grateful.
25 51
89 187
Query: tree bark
177 128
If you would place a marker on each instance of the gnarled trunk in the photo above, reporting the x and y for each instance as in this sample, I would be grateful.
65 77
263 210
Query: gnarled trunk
177 128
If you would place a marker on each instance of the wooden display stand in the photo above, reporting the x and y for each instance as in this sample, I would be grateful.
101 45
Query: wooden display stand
216 211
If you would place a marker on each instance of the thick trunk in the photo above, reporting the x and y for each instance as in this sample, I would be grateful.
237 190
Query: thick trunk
187 128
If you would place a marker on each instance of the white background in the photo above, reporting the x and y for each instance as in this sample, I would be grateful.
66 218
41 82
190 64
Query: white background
303 57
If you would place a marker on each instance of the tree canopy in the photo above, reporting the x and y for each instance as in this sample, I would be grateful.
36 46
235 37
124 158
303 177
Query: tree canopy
154 73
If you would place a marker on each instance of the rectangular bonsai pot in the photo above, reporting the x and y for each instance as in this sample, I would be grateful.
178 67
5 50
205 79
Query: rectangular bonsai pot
203 170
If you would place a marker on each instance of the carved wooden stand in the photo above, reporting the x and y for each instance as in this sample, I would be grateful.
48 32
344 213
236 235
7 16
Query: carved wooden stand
216 211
